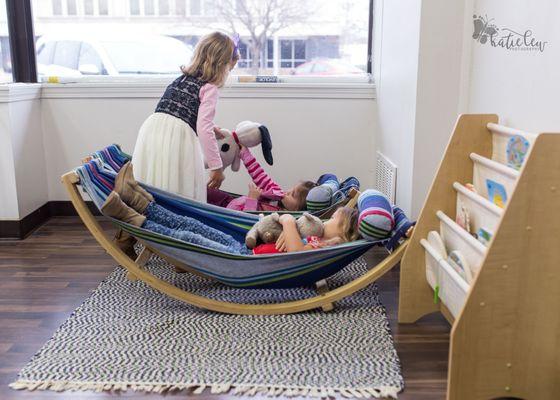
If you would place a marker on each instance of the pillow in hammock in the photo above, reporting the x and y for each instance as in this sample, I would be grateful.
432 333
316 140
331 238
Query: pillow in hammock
376 220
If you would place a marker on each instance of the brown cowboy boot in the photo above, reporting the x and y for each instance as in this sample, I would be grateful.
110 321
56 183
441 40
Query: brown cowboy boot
116 208
130 190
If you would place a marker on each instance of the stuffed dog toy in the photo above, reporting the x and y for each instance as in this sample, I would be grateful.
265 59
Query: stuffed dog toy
248 134
268 229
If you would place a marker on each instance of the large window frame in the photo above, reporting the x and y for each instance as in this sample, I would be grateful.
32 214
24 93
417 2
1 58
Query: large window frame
22 40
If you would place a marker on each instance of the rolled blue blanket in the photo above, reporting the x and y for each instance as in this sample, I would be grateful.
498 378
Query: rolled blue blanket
376 220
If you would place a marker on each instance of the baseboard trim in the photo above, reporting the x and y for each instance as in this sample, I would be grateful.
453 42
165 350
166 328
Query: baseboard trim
18 230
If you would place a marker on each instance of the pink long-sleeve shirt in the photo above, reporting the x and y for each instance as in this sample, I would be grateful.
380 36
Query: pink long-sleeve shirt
272 192
205 125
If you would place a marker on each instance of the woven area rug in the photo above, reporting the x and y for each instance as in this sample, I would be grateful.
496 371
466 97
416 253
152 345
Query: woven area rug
129 336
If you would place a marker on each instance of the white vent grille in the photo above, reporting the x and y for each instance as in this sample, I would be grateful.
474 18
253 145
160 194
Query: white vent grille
386 177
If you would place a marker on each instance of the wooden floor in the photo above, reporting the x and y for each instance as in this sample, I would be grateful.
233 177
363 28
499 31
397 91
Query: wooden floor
46 276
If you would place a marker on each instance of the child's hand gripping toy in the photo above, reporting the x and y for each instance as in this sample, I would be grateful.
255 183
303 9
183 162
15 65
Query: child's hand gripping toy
248 134
268 229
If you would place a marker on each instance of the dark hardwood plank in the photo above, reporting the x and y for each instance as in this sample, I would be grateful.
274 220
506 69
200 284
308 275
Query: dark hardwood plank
46 276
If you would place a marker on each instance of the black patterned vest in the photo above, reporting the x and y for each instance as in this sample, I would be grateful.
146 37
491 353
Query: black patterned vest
181 99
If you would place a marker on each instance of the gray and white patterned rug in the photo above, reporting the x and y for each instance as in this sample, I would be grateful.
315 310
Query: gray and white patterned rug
127 335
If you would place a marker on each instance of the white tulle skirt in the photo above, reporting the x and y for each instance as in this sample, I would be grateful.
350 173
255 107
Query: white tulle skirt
168 156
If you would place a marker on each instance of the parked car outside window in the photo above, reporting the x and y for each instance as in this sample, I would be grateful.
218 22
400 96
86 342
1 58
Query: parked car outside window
67 56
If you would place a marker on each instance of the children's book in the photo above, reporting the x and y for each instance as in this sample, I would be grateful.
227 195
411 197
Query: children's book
459 263
496 193
462 218
437 243
484 236
516 150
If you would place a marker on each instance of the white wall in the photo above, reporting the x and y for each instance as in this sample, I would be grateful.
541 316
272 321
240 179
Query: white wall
29 155
422 73
522 87
438 97
397 46
8 194
310 136
454 73
22 159
43 136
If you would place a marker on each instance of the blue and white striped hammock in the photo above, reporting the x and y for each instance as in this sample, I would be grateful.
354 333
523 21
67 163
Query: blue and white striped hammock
249 271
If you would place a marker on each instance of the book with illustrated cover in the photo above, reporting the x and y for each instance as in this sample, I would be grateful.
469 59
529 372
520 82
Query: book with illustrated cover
496 193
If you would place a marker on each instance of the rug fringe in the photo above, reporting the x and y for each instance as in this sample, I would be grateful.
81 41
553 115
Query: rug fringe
219 388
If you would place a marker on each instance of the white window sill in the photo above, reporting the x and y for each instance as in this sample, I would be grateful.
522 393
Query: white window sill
12 92
154 90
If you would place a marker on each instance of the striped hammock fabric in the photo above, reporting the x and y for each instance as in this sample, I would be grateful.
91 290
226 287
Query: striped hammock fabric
107 162
248 271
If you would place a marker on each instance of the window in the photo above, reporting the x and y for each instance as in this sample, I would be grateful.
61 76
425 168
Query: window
57 7
163 7
88 7
71 8
270 53
134 7
180 7
5 59
195 7
103 7
210 8
149 7
244 56
307 37
157 8
292 53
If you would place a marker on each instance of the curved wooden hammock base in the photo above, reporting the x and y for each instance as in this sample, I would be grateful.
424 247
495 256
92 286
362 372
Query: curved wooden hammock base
323 300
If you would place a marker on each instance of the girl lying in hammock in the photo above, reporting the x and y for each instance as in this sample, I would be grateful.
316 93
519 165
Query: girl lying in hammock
342 227
264 193
130 203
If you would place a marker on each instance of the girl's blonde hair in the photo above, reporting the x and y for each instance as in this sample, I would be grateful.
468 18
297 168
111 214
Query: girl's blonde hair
213 56
349 223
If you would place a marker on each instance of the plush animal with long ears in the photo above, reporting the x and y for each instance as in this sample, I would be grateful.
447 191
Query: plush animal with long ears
248 134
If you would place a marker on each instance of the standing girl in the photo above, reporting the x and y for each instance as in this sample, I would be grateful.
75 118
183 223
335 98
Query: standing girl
176 140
